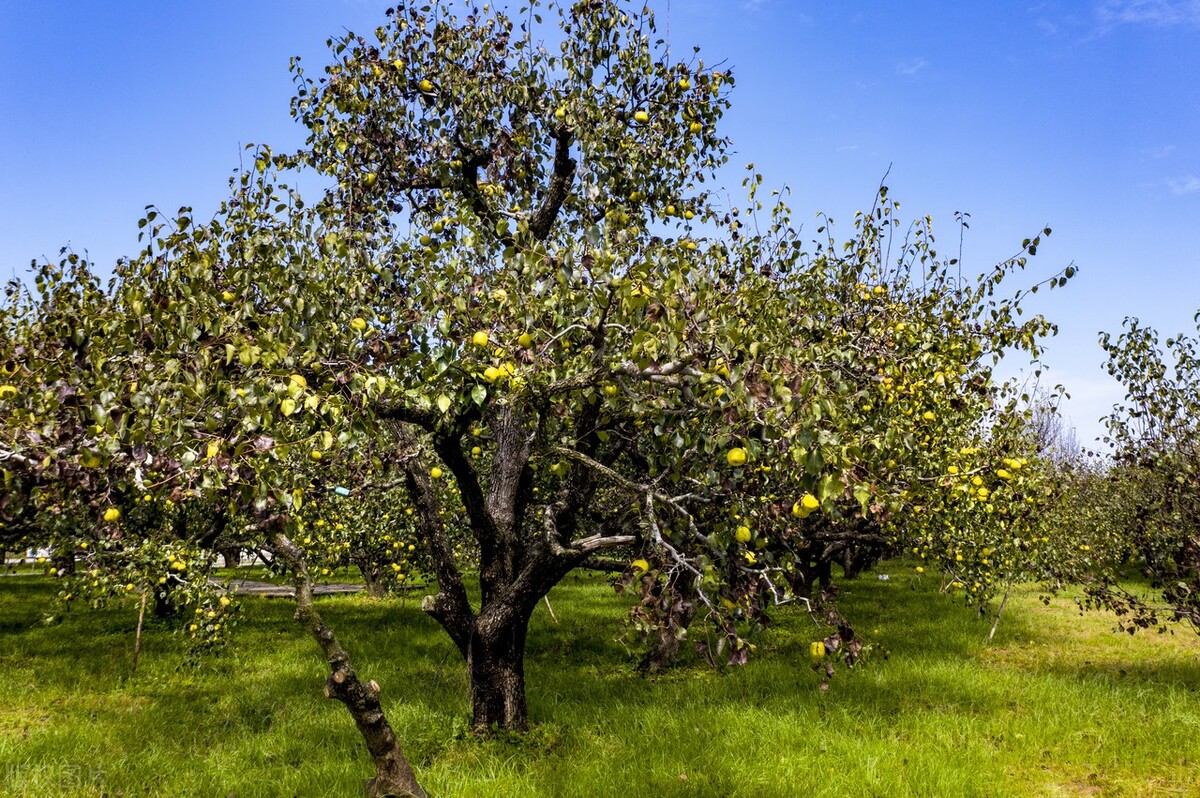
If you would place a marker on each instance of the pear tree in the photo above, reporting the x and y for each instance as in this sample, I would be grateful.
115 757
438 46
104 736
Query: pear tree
1139 510
520 331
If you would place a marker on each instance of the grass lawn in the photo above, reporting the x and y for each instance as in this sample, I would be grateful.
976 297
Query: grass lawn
1056 705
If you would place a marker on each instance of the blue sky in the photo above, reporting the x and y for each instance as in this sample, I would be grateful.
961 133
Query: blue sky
1084 116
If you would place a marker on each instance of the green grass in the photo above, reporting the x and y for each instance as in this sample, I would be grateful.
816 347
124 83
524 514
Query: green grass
1057 705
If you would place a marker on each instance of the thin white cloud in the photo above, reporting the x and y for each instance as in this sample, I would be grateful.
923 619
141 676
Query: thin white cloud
1181 186
911 67
1158 153
1047 27
1159 13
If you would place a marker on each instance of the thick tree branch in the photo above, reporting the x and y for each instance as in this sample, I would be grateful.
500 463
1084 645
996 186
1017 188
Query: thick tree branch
560 185
449 606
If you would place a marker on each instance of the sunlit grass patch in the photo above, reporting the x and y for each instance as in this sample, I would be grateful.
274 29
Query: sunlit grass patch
1057 704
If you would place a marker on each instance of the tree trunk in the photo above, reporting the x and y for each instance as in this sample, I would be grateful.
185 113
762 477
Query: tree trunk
665 644
674 609
163 607
496 665
372 580
394 776
65 563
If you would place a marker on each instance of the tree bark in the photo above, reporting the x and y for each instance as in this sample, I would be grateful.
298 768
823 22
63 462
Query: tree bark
372 579
394 776
675 609
496 664
232 556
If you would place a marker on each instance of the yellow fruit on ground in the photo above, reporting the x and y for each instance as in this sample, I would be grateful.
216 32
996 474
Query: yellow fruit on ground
112 514
736 456
225 602
816 649
640 565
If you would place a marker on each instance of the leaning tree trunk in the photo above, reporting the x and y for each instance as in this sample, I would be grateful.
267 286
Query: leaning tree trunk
394 776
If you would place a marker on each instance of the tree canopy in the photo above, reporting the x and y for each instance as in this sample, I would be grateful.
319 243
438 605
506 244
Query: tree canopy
518 334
